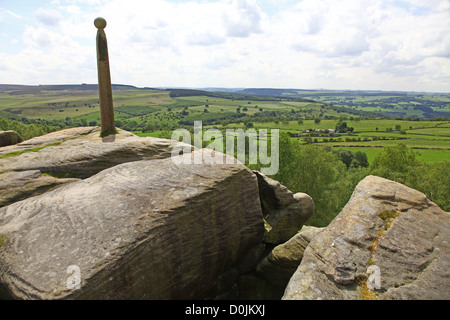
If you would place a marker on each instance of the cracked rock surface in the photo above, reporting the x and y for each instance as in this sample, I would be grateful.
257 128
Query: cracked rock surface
16 186
150 229
284 212
83 153
385 225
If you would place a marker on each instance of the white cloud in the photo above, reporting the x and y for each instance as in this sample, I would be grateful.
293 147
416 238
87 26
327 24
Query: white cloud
48 17
381 36
71 9
357 44
330 28
243 18
205 39
4 12
40 37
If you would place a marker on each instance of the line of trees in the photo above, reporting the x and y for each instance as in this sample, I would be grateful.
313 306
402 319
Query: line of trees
27 131
330 177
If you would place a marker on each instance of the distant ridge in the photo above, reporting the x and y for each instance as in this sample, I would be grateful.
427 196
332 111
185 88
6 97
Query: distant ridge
269 91
276 92
24 89
316 92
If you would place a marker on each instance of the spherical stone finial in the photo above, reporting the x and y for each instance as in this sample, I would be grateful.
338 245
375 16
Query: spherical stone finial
100 23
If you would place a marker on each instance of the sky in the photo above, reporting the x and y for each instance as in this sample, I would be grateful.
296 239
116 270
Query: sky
399 45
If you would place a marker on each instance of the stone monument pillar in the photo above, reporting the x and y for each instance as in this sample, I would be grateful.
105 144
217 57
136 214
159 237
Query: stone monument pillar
104 81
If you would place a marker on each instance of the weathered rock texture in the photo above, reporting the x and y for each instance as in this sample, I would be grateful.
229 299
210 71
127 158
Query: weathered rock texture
284 212
141 230
280 264
87 154
16 186
119 228
385 224
57 136
9 137
151 229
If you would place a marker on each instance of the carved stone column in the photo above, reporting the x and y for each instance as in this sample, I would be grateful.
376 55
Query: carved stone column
104 81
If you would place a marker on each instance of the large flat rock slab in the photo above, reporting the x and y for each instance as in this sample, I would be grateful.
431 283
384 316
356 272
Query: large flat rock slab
149 229
49 138
84 155
16 186
389 242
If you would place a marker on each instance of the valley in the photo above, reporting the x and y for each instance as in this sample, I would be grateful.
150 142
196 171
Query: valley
309 117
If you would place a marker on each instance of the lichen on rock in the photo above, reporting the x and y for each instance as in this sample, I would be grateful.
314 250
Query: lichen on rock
387 225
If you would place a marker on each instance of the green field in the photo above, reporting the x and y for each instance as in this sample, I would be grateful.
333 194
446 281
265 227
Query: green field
157 112
432 143
389 104
423 155
60 103
430 138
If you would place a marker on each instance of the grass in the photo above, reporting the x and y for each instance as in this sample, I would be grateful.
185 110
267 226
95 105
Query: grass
432 146
157 107
425 155
391 104
2 241
59 175
364 290
17 153
136 110
388 218
59 104
434 155
108 132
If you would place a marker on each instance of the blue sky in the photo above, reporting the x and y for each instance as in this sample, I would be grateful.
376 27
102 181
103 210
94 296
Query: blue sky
308 44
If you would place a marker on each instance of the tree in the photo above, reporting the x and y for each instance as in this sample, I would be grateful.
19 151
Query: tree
316 172
341 127
345 156
361 160
399 163
148 127
434 181
396 163
317 120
